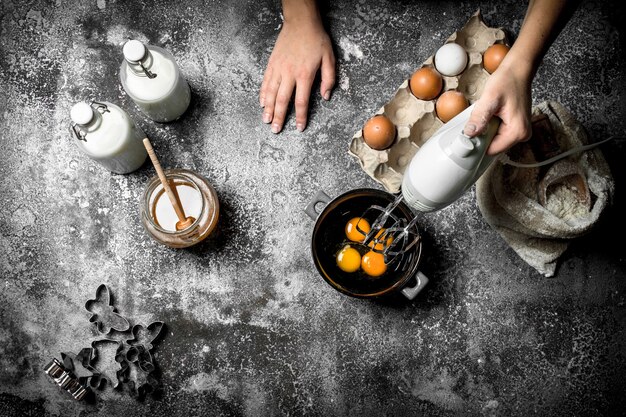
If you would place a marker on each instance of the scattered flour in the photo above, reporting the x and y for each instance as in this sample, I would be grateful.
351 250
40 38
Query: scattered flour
204 382
344 84
118 34
349 48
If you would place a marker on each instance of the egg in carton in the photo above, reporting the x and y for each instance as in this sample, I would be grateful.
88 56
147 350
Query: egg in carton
416 120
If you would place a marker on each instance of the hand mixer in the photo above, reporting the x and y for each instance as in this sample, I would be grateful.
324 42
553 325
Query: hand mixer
447 165
442 170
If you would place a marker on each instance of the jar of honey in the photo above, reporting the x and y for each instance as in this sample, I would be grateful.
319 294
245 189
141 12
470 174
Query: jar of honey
197 199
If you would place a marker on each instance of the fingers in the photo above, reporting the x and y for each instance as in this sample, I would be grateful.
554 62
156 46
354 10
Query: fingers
283 96
517 130
328 75
268 94
498 145
303 93
263 92
277 90
484 110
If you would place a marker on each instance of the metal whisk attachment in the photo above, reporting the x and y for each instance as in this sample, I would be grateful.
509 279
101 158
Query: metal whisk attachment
389 234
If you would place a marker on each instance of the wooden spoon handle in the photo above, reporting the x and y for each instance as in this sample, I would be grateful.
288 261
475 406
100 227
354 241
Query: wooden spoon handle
166 185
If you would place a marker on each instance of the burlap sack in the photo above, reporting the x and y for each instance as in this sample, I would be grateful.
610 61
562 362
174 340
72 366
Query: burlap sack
538 211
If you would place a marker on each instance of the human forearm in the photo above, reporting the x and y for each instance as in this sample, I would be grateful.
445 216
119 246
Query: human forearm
507 93
543 22
301 11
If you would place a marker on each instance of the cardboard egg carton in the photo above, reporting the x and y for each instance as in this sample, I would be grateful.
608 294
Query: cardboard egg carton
416 120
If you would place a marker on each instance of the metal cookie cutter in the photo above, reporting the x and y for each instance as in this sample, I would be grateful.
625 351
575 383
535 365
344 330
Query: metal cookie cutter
138 368
142 344
64 379
122 352
103 313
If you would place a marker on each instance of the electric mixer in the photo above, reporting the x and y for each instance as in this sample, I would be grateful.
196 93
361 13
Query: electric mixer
442 170
447 165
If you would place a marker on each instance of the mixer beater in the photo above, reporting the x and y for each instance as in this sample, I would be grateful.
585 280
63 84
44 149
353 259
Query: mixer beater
389 234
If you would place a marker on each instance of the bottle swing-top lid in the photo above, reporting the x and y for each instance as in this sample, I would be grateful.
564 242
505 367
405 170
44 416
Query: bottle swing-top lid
134 51
81 113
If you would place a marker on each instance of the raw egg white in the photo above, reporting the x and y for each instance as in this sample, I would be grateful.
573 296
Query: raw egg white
379 132
451 59
426 83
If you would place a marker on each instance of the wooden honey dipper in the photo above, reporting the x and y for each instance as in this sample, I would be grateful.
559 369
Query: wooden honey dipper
183 221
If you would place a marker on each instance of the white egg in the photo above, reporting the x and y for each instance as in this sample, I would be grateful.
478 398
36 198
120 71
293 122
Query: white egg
450 59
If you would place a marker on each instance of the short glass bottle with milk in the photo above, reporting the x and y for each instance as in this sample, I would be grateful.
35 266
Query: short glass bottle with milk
152 79
107 134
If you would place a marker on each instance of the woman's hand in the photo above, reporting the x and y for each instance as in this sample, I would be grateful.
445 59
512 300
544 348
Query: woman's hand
302 48
506 95
507 91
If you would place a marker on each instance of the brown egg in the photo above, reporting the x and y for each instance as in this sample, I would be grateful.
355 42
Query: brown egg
493 56
449 104
379 132
426 83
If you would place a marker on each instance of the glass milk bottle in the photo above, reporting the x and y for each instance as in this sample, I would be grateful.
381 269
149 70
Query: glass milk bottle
108 135
152 79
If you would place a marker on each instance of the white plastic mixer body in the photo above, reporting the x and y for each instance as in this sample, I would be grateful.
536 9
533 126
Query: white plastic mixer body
447 165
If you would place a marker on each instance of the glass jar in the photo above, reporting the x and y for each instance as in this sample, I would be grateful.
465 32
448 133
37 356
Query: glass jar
198 199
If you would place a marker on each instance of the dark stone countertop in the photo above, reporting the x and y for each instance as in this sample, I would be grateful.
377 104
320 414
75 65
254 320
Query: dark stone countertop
252 329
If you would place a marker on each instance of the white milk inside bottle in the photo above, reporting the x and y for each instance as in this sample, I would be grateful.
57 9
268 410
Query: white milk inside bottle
152 79
107 134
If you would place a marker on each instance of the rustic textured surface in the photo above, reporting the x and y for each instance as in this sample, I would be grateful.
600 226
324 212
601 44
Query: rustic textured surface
253 330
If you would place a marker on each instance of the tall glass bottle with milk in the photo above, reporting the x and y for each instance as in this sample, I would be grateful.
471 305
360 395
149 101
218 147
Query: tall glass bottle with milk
152 79
107 134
